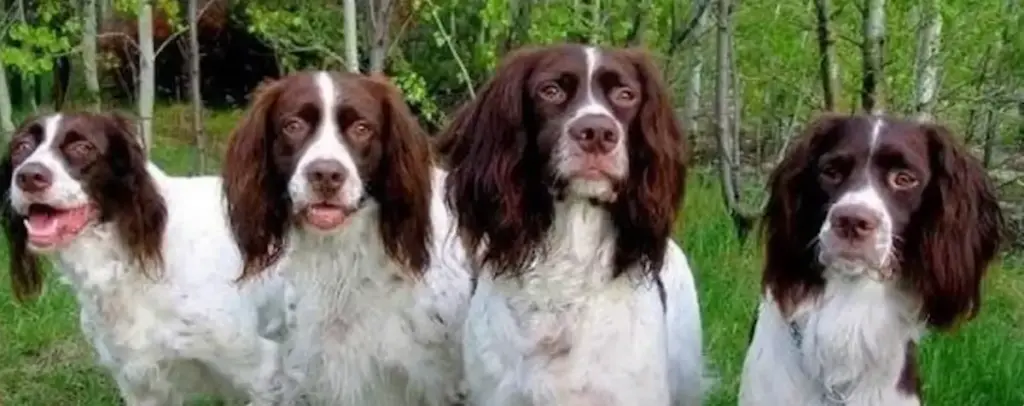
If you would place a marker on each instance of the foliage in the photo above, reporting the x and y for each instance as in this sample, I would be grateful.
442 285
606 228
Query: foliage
30 45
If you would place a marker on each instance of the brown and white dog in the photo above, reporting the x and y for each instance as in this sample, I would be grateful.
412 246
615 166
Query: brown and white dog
567 172
877 228
149 257
329 175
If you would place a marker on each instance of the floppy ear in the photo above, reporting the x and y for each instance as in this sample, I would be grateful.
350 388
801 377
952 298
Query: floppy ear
401 184
959 230
257 200
490 157
646 209
130 194
26 271
795 209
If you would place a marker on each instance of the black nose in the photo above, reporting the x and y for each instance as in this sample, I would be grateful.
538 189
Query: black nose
595 133
326 176
854 222
33 177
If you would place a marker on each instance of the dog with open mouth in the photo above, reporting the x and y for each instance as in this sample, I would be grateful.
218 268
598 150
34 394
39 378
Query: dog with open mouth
329 175
149 258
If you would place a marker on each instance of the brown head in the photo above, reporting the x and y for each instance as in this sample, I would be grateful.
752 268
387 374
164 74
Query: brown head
64 173
566 122
887 197
314 148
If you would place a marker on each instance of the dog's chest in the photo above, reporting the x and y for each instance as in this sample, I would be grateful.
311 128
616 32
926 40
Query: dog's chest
853 338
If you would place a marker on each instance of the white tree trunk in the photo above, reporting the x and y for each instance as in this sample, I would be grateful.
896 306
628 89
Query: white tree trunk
29 82
874 37
380 18
194 82
926 61
89 57
147 73
723 104
829 68
6 124
351 37
691 105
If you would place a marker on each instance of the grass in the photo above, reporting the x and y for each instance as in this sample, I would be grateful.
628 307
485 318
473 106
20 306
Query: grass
45 361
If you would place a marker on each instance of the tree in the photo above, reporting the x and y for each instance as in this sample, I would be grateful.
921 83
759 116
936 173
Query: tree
730 188
926 60
874 39
147 72
826 48
380 25
89 56
194 81
6 123
691 109
351 39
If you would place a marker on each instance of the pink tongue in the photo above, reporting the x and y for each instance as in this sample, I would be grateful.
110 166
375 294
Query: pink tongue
325 217
46 229
43 229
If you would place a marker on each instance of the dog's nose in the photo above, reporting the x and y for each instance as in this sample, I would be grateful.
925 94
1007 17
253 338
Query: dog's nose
854 222
33 177
326 175
595 133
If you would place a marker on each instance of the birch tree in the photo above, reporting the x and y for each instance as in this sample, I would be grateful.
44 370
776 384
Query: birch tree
380 12
691 104
194 81
6 122
926 64
89 56
730 187
351 37
826 48
147 73
874 39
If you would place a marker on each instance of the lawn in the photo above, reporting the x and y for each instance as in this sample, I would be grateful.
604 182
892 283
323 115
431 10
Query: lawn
44 360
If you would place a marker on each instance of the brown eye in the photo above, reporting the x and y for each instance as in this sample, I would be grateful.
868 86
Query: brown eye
20 148
552 93
902 180
81 149
294 127
830 173
360 130
624 96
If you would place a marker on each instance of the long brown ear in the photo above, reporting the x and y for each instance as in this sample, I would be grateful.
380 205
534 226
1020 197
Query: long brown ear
257 200
794 213
26 272
401 184
646 209
490 157
130 195
959 229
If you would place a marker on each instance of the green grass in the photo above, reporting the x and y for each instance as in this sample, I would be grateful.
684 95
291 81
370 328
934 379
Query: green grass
45 361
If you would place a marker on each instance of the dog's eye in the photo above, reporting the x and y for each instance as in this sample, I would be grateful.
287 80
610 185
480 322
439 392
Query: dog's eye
552 93
902 180
294 127
360 130
624 96
831 173
20 148
81 149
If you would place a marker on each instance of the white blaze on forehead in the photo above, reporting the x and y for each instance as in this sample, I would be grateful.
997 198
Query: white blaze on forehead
591 104
44 153
876 132
327 145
